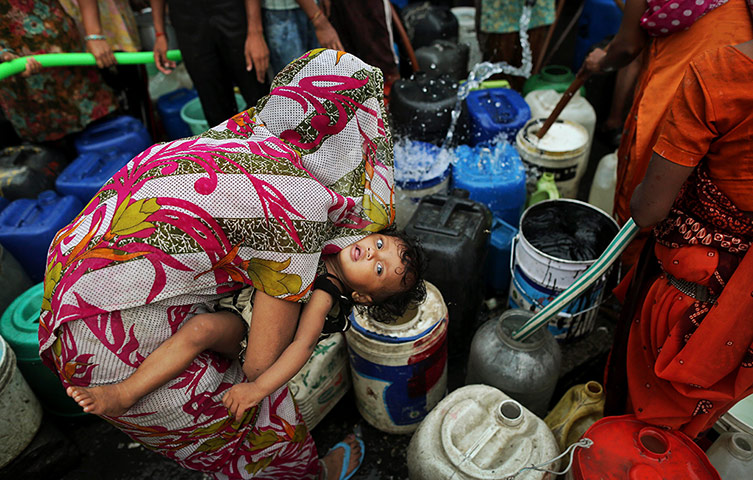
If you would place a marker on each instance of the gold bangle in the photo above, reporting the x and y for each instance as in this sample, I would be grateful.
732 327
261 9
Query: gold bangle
316 15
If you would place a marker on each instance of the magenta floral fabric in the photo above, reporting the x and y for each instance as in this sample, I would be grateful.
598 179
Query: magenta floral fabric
664 17
254 201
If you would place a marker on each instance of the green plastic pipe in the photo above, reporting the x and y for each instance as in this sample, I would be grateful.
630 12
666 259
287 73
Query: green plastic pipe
594 272
18 65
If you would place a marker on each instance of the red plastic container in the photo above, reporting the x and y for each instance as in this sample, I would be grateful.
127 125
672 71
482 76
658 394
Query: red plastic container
627 449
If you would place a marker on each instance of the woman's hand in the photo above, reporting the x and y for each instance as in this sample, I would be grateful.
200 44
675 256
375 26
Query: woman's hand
32 65
102 52
240 398
326 34
594 61
160 56
257 55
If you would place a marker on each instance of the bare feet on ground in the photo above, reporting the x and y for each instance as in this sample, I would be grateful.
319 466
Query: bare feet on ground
334 459
110 400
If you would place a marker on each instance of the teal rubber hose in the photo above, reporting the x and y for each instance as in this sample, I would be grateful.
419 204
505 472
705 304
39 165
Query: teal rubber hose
594 272
18 65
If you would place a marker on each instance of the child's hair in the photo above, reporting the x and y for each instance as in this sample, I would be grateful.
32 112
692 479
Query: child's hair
412 255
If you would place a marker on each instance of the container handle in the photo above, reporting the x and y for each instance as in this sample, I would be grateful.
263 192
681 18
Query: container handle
450 206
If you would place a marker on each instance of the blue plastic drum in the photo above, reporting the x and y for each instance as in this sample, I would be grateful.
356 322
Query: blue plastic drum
169 106
421 169
86 175
496 112
124 133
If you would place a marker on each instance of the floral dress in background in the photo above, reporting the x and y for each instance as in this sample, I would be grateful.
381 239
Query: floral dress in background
57 101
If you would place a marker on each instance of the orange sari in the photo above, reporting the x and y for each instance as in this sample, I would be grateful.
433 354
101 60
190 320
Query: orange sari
664 63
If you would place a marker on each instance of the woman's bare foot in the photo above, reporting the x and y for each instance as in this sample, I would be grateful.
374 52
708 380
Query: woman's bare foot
333 461
110 400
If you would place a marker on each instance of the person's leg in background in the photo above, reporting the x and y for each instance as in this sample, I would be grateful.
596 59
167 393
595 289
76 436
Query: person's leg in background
365 30
287 33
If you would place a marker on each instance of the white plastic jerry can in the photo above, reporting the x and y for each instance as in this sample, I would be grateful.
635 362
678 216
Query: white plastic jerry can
479 433
323 380
604 183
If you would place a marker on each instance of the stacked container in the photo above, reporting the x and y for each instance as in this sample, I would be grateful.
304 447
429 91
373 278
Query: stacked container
27 170
123 133
421 106
87 173
444 57
421 169
169 106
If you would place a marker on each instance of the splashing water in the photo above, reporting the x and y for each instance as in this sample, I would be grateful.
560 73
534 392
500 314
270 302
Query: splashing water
482 71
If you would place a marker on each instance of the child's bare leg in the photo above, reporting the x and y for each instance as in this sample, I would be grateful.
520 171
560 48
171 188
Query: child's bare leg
219 331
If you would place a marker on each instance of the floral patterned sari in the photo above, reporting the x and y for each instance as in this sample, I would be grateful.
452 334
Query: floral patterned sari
254 201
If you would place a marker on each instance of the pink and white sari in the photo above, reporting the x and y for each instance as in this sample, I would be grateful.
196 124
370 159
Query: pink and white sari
253 201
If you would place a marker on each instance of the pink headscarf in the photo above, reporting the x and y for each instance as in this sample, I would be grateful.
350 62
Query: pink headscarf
664 17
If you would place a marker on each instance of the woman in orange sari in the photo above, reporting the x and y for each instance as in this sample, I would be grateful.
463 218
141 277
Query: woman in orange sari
690 349
668 33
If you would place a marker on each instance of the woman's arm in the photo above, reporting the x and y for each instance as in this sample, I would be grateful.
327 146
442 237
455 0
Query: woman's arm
160 41
655 195
96 43
245 395
625 46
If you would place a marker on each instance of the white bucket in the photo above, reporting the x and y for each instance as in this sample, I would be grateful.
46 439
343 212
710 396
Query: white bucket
467 33
541 268
20 411
578 110
421 169
480 433
323 380
738 418
399 370
561 152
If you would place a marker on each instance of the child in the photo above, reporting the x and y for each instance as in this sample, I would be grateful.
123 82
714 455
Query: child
381 271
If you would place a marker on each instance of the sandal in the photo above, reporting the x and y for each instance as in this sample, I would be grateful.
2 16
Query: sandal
346 459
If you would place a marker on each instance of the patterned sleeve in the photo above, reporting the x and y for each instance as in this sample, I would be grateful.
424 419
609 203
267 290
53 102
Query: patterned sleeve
690 124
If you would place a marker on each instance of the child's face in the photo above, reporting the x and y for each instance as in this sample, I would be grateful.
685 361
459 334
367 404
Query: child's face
372 267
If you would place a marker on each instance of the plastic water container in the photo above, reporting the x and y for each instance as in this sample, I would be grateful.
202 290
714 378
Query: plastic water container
578 110
323 379
467 33
444 57
26 170
400 369
28 226
562 152
556 77
19 326
626 448
493 175
599 20
13 279
454 232
20 412
732 455
500 250
421 106
85 176
557 242
193 115
526 370
739 418
169 107
579 408
604 183
123 132
425 23
421 169
496 112
478 432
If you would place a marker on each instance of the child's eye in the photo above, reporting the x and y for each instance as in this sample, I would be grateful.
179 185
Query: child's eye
379 243
379 268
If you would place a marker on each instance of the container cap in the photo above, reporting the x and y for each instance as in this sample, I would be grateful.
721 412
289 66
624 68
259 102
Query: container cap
488 164
408 328
20 323
420 165
626 448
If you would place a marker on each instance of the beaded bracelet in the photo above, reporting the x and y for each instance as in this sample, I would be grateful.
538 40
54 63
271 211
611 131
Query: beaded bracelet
94 37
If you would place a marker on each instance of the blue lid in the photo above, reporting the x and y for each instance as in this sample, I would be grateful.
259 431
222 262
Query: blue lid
488 164
420 165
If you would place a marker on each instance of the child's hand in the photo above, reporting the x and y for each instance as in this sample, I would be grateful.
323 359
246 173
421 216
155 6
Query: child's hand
240 398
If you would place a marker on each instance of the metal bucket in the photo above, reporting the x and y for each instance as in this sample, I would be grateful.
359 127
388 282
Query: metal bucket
541 268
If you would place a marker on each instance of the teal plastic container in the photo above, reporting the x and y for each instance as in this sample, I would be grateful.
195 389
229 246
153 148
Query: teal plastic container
193 114
551 77
18 326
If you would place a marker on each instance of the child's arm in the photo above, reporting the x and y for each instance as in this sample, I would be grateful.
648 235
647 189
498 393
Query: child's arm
243 396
